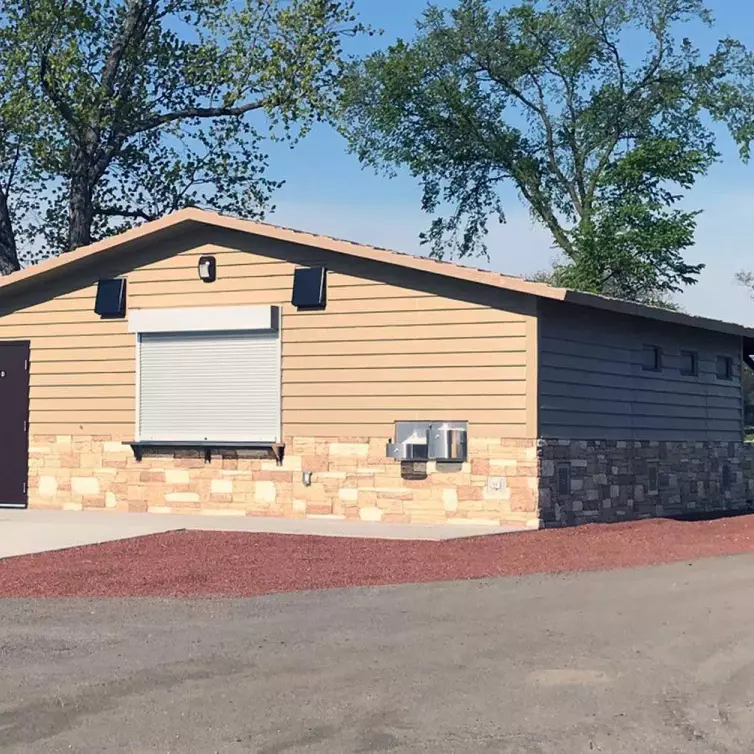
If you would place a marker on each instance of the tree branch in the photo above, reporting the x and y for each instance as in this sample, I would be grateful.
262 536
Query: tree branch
542 207
136 214
197 112
551 150
48 85
553 68
134 27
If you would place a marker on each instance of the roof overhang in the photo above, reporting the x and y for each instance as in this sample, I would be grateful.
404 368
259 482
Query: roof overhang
183 220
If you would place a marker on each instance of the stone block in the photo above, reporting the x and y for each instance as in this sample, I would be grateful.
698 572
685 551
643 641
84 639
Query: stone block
265 492
467 492
115 448
85 485
450 500
111 501
504 463
221 487
370 514
348 450
48 486
177 476
290 463
348 494
219 499
182 497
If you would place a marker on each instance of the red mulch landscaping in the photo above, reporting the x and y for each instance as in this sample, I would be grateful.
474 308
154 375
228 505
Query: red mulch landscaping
237 564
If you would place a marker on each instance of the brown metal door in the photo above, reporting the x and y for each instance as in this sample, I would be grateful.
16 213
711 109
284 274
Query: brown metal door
14 425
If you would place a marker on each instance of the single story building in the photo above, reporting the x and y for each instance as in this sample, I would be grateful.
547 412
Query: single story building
205 363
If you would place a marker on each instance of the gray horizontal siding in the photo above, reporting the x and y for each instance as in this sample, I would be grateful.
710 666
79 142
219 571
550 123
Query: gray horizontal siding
592 385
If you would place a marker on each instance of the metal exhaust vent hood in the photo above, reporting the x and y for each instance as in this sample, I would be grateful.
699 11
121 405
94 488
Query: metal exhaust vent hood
411 448
448 441
439 441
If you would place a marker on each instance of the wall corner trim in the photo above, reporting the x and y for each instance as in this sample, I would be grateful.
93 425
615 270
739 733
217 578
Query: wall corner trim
532 375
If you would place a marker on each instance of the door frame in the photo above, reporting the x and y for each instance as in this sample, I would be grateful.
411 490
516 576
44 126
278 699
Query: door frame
27 344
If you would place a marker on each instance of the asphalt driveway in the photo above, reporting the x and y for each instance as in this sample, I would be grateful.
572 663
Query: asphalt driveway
651 660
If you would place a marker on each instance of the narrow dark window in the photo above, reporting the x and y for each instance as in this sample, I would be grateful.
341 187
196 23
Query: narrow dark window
689 363
653 479
564 480
651 359
724 368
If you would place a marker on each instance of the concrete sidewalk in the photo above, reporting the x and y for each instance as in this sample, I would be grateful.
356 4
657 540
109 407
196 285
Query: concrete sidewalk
23 532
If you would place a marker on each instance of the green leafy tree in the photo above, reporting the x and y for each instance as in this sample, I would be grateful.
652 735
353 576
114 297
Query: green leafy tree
20 116
600 138
160 104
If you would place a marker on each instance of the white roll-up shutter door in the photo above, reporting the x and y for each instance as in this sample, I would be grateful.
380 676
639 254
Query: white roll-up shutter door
222 386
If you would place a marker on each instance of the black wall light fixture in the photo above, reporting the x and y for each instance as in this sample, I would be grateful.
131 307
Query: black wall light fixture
111 298
207 269
310 288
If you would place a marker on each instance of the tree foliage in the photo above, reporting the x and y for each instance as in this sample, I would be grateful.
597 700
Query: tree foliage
597 111
141 107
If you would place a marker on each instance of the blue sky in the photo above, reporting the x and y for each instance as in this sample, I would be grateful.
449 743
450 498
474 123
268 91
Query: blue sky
327 191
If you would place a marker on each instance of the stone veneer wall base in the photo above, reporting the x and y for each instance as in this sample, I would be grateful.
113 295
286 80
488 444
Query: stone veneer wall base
583 481
351 479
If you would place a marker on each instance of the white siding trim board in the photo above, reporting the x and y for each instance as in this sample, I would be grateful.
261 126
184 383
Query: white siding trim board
203 319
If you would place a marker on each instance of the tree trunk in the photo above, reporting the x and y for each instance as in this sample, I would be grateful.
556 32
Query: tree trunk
80 212
8 251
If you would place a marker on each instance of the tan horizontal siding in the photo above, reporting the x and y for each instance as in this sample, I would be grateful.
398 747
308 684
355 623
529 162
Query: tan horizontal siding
66 309
410 333
399 311
46 330
490 388
386 348
74 403
92 356
87 343
513 376
337 286
430 362
187 274
77 391
388 416
106 429
364 429
477 316
111 368
408 402
76 414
